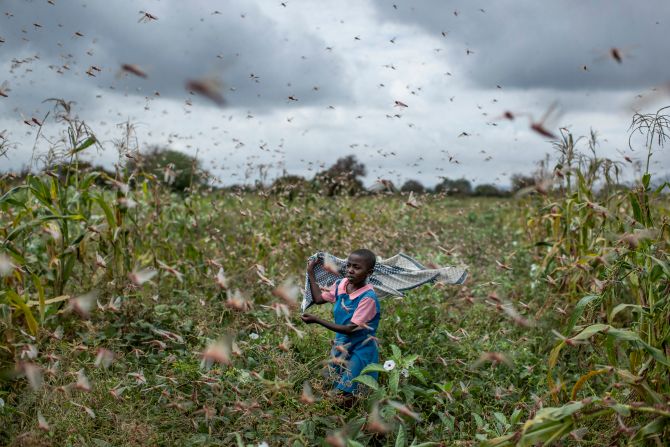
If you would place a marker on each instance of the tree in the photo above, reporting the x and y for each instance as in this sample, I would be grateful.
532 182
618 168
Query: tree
289 186
460 187
177 169
488 190
520 181
342 177
414 186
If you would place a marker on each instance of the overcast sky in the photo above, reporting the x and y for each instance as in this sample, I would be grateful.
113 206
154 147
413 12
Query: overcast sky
306 82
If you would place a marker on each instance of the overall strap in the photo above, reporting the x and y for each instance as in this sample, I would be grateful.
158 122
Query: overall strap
372 295
337 287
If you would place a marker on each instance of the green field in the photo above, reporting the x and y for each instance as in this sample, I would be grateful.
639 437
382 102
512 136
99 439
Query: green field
134 315
473 362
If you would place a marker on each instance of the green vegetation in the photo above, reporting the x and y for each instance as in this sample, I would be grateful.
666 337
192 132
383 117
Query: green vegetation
133 315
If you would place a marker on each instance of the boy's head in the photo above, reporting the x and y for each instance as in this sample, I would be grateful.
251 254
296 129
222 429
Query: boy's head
360 264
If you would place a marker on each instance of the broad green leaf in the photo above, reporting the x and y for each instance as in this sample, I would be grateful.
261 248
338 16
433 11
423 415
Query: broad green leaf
368 381
478 420
396 352
409 360
373 367
394 379
623 410
501 418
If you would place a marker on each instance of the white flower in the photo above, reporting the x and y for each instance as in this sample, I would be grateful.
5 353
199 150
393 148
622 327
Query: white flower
389 365
263 444
253 336
404 372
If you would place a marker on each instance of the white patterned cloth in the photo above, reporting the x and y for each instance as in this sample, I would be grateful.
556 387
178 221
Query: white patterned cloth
391 276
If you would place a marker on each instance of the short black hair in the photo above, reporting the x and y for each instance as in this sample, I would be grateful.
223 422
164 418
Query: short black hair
366 254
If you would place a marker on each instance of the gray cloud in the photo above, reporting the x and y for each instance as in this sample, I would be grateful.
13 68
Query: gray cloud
188 41
379 55
531 44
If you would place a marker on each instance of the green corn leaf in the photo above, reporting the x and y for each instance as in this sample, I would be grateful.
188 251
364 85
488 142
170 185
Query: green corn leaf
19 302
88 180
623 335
40 295
654 428
11 192
555 413
645 180
111 221
637 210
401 438
664 265
662 187
620 307
579 310
85 144
590 331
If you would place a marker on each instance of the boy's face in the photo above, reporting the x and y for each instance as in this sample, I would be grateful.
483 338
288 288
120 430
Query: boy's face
357 269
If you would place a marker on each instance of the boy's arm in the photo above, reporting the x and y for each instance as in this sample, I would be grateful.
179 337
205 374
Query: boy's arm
313 285
340 328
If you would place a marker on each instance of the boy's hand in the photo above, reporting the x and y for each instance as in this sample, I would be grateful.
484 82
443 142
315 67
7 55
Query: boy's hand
308 318
312 264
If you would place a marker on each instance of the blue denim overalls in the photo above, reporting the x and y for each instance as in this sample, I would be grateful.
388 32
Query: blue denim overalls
361 349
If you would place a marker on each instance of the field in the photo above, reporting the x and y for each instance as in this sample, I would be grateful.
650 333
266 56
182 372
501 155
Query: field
111 296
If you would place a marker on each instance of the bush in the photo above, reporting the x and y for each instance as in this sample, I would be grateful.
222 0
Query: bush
460 187
488 190
341 178
289 186
177 169
414 186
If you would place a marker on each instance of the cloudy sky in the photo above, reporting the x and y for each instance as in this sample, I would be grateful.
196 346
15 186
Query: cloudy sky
306 82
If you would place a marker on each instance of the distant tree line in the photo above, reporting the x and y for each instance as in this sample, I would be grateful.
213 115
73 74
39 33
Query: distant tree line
344 177
182 173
